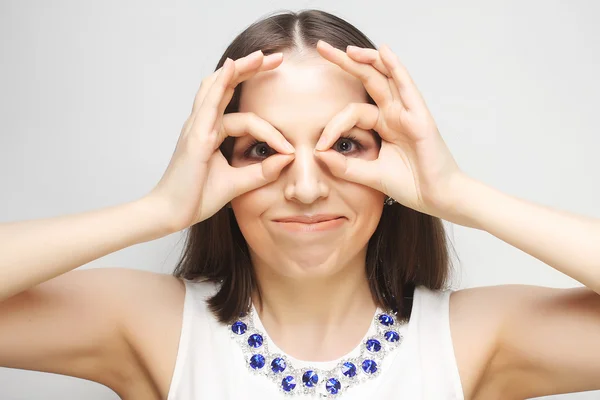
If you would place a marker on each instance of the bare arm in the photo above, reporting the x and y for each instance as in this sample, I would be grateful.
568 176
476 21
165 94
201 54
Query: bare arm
32 252
102 324
565 241
547 341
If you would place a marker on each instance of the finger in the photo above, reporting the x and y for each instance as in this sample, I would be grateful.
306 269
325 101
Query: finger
372 56
268 63
272 61
205 87
361 115
204 121
249 66
368 56
250 177
245 67
242 63
375 83
352 169
409 94
240 124
247 71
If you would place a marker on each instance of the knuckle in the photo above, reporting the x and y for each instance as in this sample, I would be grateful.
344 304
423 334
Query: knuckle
198 141
206 81
352 108
251 120
186 125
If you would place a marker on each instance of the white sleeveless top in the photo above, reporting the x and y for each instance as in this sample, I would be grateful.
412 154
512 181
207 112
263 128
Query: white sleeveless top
211 365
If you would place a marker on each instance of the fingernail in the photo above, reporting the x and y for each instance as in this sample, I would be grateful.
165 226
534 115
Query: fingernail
225 64
320 144
289 147
350 47
257 52
324 43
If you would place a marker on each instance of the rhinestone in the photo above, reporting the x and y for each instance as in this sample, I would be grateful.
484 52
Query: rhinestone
288 383
310 378
373 345
255 340
239 327
257 361
349 369
369 366
333 386
386 320
392 336
307 379
278 365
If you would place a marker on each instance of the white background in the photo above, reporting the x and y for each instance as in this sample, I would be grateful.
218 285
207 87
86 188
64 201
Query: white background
93 96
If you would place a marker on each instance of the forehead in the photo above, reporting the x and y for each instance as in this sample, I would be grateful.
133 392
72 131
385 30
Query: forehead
307 91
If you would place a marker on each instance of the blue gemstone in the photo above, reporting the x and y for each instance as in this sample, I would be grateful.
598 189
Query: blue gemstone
386 320
333 385
288 383
369 366
278 365
239 327
349 369
373 345
255 340
392 336
257 361
310 378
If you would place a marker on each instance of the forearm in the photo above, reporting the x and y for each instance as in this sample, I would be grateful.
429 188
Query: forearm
32 252
565 241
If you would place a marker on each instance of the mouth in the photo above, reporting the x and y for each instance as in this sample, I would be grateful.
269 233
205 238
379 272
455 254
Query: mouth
309 219
315 223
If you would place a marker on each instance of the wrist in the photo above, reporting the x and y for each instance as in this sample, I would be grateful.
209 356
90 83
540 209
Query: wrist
158 211
459 206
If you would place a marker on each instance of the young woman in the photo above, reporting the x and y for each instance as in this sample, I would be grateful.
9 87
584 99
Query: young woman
316 263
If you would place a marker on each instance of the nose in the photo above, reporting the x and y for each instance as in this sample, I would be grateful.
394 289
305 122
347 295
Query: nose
306 177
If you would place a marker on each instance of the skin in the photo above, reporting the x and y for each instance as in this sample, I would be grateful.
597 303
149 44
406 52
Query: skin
510 341
323 271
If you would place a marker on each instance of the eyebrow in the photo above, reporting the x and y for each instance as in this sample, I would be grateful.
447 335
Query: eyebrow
281 130
322 128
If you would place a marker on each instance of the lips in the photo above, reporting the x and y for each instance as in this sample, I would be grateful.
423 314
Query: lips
309 219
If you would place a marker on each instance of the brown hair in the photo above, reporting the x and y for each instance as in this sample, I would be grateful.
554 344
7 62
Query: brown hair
407 249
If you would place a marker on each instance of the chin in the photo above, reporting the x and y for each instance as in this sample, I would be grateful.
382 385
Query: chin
313 266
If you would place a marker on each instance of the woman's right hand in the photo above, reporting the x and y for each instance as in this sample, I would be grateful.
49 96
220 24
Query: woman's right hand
199 181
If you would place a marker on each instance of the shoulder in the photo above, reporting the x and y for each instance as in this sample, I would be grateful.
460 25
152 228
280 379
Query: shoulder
149 310
476 320
155 308
500 332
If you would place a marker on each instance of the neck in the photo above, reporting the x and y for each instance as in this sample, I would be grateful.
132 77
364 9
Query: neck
316 309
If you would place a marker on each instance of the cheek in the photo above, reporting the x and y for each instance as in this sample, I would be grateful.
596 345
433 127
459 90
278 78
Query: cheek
248 206
367 203
372 153
248 209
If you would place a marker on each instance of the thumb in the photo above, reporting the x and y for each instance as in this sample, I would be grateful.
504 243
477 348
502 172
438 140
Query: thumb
351 169
253 176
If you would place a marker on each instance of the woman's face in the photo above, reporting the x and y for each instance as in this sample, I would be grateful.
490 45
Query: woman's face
299 98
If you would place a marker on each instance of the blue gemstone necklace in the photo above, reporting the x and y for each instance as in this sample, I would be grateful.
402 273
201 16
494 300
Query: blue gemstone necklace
326 383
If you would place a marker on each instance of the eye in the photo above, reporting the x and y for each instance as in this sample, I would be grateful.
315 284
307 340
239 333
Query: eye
258 150
348 144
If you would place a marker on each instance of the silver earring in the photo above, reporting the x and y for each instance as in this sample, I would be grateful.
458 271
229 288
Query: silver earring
389 201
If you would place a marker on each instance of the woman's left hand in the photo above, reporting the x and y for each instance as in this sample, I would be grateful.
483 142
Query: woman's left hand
414 165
